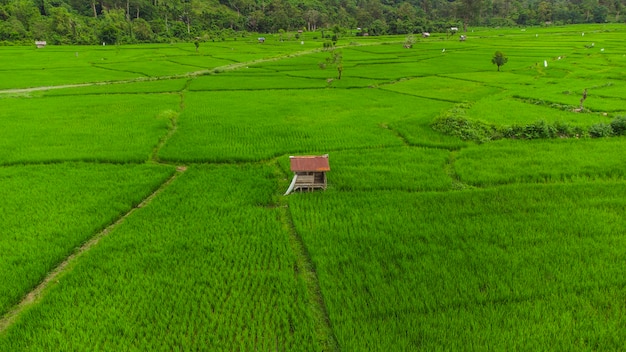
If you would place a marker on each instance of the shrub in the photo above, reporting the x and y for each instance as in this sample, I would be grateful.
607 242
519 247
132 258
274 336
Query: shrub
563 129
466 129
619 125
513 131
539 129
601 129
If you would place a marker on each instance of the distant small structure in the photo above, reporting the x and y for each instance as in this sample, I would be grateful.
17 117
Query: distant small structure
454 29
309 173
40 44
261 39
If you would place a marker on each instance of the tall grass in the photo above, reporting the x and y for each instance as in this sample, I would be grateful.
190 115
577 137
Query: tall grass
404 168
115 128
422 241
206 266
520 267
49 210
571 160
236 126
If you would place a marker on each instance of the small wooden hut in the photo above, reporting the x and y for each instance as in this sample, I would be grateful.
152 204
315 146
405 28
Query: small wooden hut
309 172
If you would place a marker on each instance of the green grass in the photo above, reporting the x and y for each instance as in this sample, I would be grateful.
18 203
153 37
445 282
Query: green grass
235 126
49 210
513 111
149 86
404 168
422 241
443 88
506 162
115 128
526 267
215 272
241 80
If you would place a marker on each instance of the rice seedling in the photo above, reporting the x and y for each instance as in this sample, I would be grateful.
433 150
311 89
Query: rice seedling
214 272
49 210
496 267
569 160
148 86
422 241
256 125
117 128
254 81
403 168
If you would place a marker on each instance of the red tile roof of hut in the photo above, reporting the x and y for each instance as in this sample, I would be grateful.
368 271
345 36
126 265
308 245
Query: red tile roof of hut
309 163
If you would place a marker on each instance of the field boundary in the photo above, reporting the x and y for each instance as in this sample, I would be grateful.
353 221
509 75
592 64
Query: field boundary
457 184
37 293
305 269
218 69
173 126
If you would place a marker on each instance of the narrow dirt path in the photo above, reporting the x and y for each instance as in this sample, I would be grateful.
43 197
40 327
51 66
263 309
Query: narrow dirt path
37 293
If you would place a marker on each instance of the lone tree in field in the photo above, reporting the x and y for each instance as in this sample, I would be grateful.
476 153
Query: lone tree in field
409 41
335 60
499 59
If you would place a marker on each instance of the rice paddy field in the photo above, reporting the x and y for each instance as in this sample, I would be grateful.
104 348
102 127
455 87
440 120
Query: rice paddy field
142 204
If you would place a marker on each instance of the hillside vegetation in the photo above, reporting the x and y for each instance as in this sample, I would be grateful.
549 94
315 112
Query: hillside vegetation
143 21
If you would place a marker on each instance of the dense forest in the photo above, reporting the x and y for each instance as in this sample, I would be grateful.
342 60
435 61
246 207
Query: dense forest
136 21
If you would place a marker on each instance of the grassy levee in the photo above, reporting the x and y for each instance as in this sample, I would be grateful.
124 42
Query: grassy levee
104 128
50 210
206 265
517 267
148 87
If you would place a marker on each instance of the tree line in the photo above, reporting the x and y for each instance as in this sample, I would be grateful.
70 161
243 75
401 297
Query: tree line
137 21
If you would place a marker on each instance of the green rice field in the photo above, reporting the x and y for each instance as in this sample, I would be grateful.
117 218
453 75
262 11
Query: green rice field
143 210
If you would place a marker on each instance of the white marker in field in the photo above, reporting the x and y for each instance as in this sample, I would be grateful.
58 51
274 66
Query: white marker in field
444 50
545 63
583 34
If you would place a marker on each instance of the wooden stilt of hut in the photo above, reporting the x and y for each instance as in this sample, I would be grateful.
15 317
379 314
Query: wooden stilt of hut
309 173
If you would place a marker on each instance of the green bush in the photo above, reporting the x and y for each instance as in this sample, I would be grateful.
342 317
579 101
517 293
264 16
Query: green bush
601 129
619 126
539 129
513 131
465 129
563 129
